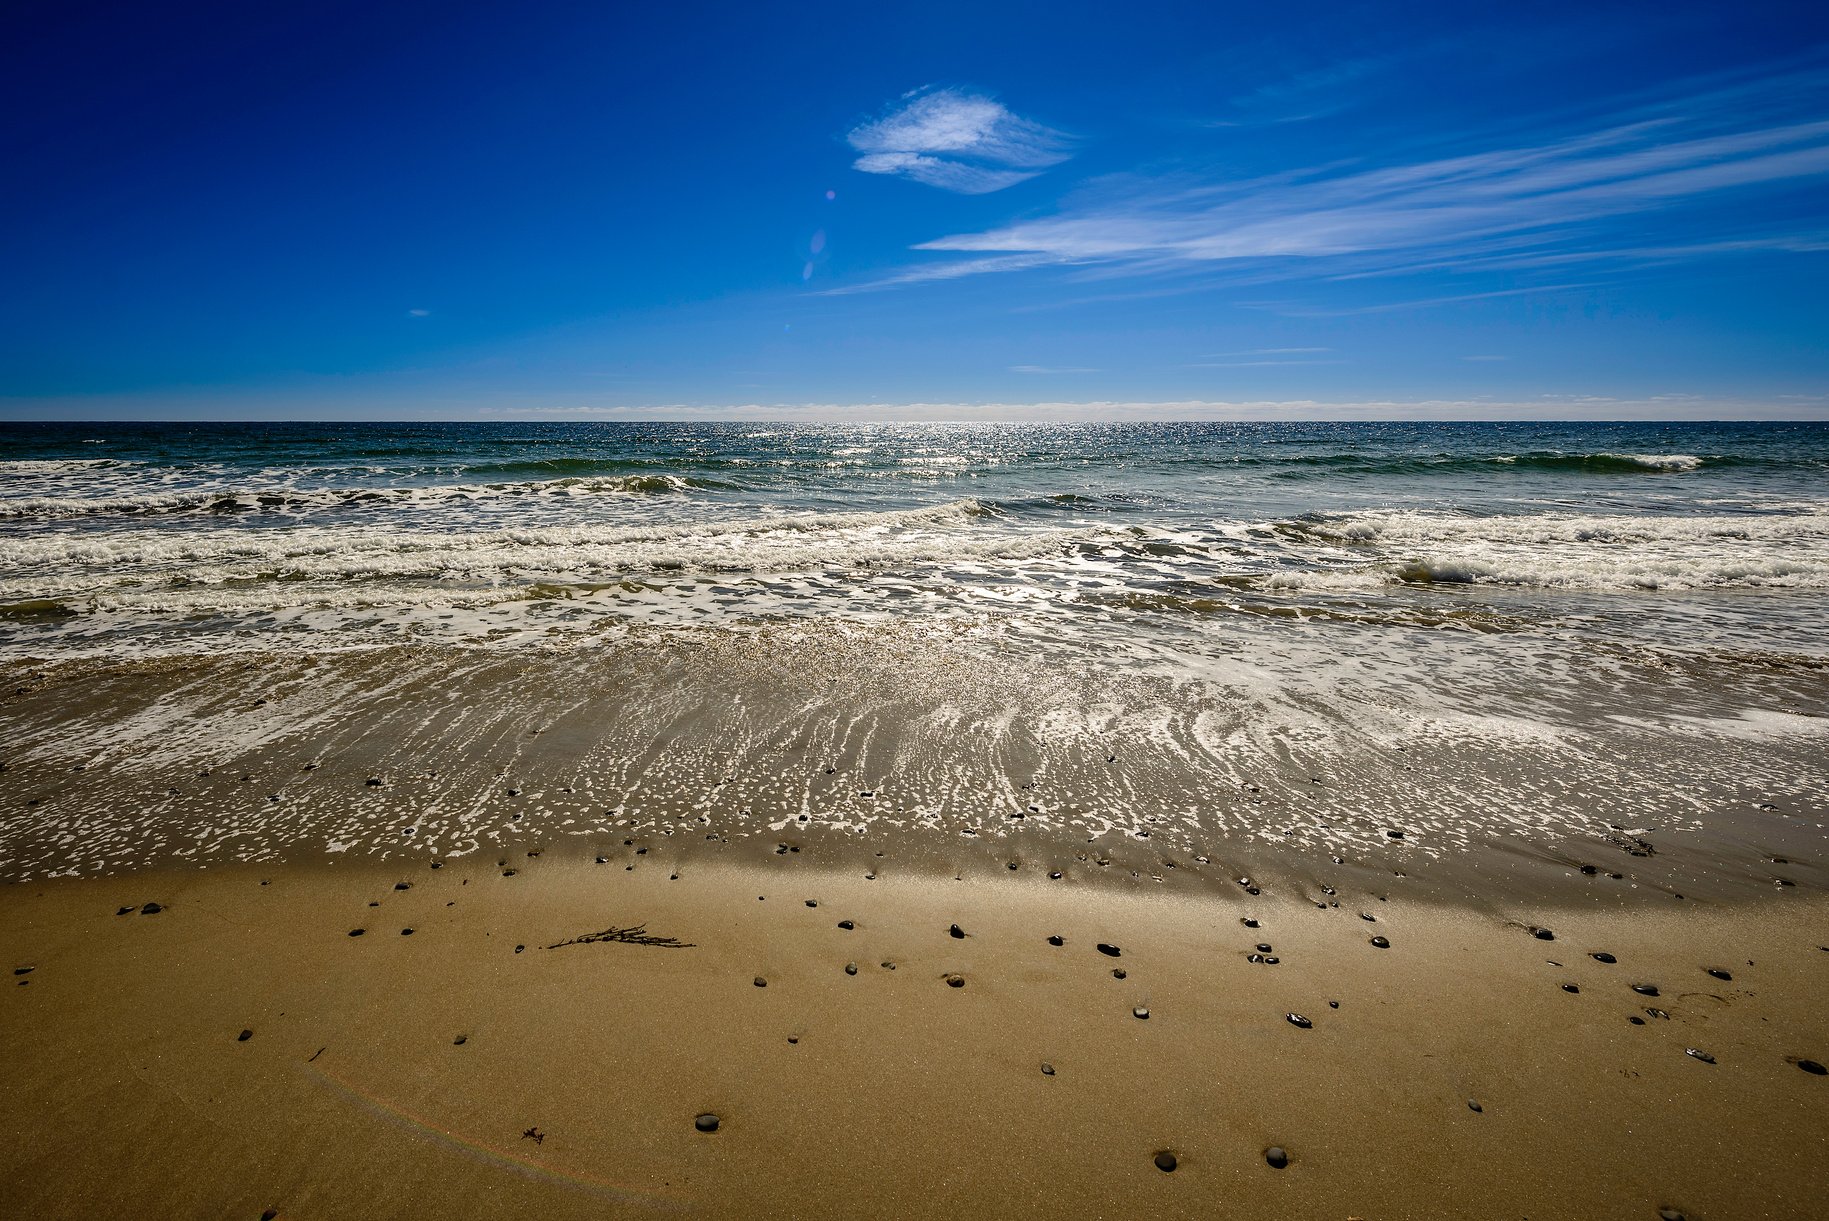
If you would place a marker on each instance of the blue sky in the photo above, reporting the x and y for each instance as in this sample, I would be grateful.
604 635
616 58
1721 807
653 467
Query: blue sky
447 210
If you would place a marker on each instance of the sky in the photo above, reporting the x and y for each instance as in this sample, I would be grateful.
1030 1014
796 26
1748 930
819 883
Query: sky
607 210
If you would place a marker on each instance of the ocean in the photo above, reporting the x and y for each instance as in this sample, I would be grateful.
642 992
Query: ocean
1540 609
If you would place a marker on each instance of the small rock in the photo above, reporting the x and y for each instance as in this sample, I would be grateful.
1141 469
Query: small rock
1110 951
1475 1107
244 1036
1812 1067
955 931
151 909
706 1122
1140 1013
1603 956
1277 1157
1699 1054
1165 1162
1297 1020
955 981
1381 942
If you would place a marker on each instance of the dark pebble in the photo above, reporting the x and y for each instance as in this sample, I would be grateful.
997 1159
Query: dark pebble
850 968
1542 934
1381 942
1057 941
1570 988
1247 921
1670 1214
846 924
1475 1107
1277 1156
1395 834
268 1214
406 932
706 1122
1110 951
1047 1069
1055 875
357 932
760 982
244 1036
403 886
1263 947
1699 1054
122 911
1140 1013
955 981
1636 1020
1718 973
955 931
1165 1161
1296 1019
151 909
23 970
460 1040
812 902
1645 989
1812 1067
1603 956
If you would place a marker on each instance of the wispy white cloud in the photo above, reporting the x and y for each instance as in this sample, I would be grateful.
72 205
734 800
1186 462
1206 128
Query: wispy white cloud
1539 202
957 140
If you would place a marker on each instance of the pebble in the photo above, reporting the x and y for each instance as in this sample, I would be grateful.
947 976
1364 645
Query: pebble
955 981
850 968
846 925
1381 942
357 932
1165 1162
1277 1156
1542 934
955 931
1057 941
460 1040
1296 1019
1812 1067
1670 1214
1603 956
1110 951
1263 947
706 1122
1140 1013
760 982
1645 989
1570 988
812 902
151 909
1718 973
1247 921
244 1036
1475 1107
1047 1069
406 932
1699 1054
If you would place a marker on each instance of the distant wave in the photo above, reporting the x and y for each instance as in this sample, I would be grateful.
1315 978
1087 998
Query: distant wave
300 501
1605 463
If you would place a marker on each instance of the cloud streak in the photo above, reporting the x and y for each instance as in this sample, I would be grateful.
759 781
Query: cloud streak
1533 204
958 141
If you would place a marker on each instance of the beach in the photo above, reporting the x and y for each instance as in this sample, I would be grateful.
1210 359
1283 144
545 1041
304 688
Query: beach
838 822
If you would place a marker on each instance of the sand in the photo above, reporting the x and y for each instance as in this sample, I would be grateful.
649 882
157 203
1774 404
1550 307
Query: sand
682 917
466 1069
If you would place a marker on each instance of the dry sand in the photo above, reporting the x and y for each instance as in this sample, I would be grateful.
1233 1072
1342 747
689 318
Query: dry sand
467 1070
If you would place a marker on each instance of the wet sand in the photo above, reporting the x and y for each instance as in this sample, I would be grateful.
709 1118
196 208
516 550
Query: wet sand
239 1049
